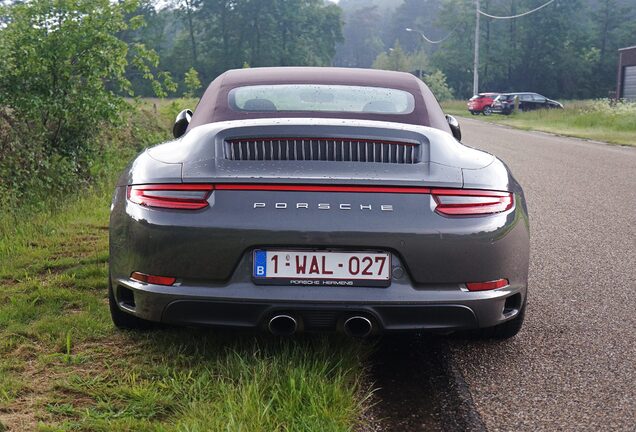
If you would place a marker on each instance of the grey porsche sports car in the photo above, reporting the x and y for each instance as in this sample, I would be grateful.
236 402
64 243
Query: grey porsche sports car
319 199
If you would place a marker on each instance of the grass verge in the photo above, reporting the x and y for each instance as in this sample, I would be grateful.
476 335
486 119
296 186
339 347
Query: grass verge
595 120
63 367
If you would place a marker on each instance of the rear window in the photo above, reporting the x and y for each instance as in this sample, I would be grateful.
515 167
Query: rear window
321 97
505 97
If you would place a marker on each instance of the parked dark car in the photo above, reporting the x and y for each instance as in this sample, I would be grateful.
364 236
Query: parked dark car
505 103
319 199
481 103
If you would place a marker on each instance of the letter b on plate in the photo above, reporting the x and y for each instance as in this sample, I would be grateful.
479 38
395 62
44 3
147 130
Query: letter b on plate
260 263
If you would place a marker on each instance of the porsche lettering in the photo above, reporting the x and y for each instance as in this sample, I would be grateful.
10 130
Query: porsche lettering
324 206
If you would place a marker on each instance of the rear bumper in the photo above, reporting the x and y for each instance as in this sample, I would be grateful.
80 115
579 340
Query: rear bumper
474 311
399 307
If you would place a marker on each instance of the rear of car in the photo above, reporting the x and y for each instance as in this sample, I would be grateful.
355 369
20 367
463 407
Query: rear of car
504 104
481 103
319 224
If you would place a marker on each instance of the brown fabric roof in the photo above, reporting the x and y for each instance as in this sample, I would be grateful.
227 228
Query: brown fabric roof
214 106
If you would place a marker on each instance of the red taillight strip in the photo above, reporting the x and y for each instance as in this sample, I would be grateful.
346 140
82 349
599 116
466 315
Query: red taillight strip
492 201
324 188
495 202
176 187
137 194
484 286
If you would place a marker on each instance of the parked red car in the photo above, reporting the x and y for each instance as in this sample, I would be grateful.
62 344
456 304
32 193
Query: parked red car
481 103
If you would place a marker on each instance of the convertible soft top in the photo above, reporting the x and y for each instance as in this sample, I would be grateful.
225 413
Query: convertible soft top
214 105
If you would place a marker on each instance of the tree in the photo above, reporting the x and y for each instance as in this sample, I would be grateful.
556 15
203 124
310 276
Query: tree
422 15
362 40
215 35
436 81
188 10
454 57
615 25
192 83
63 69
396 59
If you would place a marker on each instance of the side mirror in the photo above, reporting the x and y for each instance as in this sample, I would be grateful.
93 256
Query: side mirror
454 126
181 123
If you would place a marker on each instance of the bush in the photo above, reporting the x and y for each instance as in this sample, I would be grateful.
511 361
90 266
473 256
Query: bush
436 81
192 83
62 76
398 60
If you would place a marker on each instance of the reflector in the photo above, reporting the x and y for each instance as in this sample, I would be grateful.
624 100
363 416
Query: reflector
484 286
151 279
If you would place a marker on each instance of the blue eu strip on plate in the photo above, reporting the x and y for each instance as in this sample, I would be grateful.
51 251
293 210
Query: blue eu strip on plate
260 263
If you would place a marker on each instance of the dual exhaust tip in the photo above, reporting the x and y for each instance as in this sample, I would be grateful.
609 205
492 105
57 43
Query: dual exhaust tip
282 325
286 325
358 327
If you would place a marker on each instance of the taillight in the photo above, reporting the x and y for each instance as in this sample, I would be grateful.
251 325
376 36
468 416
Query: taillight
172 196
484 286
152 279
464 202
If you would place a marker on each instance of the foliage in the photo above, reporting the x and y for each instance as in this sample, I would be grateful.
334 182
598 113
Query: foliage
362 40
62 73
192 83
436 81
566 50
215 35
417 63
395 59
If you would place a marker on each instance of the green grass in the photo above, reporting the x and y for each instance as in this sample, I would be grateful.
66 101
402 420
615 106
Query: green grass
63 366
455 107
595 120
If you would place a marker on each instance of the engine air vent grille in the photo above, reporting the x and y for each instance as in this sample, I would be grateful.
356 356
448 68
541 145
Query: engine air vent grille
322 149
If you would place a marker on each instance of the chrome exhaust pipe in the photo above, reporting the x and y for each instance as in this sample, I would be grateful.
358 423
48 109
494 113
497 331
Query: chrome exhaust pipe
358 327
282 325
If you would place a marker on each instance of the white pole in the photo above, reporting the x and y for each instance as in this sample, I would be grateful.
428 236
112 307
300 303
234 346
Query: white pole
476 61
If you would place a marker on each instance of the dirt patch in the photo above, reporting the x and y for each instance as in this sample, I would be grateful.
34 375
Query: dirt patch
8 283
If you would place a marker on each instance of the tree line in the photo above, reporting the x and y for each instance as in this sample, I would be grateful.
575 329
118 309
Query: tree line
211 36
566 50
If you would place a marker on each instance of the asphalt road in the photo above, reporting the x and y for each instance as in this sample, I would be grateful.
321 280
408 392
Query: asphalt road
573 366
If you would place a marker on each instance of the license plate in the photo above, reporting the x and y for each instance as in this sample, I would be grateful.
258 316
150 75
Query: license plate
322 268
